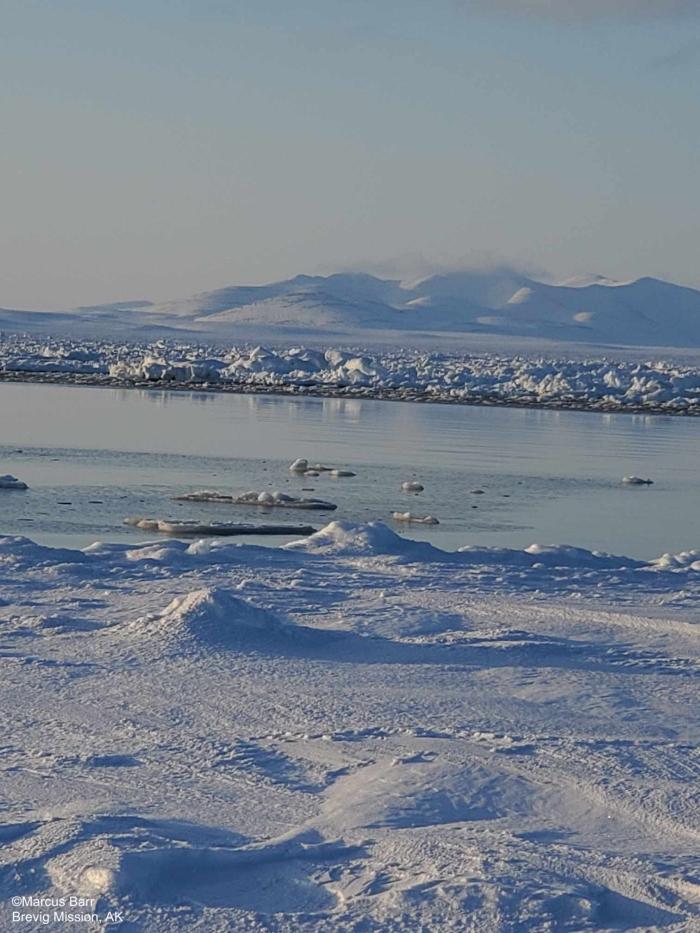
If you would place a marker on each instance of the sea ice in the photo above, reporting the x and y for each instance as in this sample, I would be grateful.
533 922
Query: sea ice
600 384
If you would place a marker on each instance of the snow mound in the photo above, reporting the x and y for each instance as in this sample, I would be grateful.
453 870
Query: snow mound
552 556
19 552
206 618
373 539
169 863
11 482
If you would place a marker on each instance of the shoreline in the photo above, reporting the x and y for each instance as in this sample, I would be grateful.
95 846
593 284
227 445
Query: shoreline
361 393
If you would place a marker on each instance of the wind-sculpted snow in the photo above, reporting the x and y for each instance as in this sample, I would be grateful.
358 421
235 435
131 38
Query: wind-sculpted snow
598 384
355 731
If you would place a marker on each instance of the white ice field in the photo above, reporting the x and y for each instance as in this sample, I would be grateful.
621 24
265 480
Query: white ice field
354 732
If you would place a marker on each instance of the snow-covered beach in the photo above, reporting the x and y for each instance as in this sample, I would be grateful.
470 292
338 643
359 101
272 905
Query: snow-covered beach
351 732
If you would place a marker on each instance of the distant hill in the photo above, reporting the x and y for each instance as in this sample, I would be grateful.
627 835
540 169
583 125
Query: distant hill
593 310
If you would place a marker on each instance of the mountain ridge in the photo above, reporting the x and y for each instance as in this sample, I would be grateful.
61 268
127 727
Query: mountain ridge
501 301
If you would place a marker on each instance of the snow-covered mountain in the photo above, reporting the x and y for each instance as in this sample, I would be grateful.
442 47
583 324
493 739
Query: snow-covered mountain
501 301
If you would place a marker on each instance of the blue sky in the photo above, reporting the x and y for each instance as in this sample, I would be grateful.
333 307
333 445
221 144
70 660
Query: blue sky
154 148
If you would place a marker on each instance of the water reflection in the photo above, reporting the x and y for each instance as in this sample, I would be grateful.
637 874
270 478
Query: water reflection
550 476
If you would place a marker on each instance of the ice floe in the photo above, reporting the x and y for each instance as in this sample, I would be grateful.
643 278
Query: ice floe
637 481
222 529
264 499
601 384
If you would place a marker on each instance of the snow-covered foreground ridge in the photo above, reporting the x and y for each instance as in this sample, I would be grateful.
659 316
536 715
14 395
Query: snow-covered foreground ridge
599 384
353 732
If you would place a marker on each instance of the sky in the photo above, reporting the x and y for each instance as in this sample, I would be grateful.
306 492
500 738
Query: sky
157 148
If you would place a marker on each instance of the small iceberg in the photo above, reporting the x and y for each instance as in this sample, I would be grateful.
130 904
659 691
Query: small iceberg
337 474
414 519
224 529
300 465
636 481
412 486
11 482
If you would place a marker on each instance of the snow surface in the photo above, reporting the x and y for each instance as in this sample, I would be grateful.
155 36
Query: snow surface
601 384
497 301
353 732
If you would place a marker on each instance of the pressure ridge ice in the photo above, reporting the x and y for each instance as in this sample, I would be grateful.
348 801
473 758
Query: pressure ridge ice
601 383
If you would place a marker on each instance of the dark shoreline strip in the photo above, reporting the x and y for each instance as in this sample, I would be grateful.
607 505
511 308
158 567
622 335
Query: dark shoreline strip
316 390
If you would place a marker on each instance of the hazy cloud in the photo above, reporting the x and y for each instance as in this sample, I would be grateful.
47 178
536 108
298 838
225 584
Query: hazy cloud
588 9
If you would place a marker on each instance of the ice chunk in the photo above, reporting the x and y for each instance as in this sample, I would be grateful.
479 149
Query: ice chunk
373 539
415 519
264 499
412 486
637 481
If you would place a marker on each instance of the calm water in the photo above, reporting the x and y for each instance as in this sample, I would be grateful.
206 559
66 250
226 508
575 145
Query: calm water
94 456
